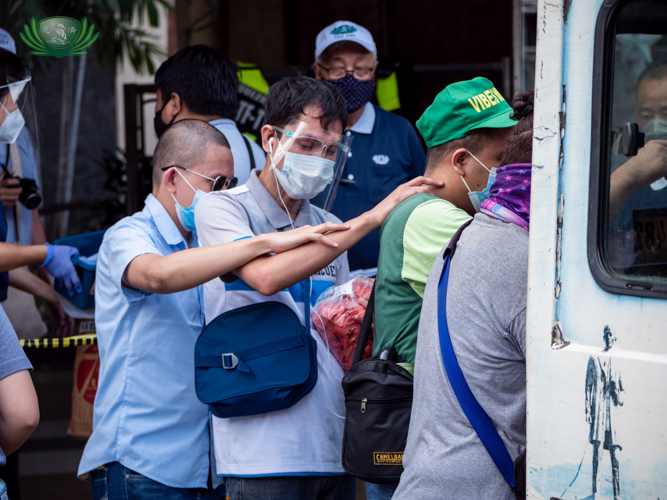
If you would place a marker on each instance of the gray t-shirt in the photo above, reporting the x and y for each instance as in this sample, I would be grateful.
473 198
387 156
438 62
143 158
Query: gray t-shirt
486 315
12 357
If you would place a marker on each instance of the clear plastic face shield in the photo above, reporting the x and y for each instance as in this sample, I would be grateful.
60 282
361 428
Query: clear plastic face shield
16 89
20 96
308 139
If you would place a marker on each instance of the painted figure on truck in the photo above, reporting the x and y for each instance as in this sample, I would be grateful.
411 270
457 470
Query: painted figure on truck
603 393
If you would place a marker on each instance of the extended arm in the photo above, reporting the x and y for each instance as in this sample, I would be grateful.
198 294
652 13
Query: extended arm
196 266
38 231
13 256
269 275
24 280
19 410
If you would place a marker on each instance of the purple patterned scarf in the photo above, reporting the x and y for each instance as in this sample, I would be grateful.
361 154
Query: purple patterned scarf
509 196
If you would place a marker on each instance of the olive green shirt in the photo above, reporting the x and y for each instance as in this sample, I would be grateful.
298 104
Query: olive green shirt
410 240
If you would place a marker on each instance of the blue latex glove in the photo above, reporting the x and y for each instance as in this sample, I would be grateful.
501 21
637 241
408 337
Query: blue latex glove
58 263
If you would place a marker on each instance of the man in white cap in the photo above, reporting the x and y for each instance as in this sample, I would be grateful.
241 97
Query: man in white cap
386 151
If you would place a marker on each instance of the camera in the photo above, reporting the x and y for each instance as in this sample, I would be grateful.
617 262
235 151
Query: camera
29 197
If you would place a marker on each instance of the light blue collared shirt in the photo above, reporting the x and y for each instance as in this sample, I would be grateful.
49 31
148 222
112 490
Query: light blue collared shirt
147 415
29 171
366 121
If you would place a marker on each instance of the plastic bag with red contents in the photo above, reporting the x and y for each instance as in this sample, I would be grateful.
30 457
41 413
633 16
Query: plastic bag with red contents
337 317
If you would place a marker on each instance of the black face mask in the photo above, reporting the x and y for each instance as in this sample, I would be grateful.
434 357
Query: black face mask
159 124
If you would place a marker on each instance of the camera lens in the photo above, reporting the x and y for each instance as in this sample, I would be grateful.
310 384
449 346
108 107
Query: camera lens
32 201
29 197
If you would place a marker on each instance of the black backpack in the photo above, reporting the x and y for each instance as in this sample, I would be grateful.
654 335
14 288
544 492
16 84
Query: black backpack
378 402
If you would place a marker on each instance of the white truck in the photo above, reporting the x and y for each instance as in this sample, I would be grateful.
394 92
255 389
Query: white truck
597 297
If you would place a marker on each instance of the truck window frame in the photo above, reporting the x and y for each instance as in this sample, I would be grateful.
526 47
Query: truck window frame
598 207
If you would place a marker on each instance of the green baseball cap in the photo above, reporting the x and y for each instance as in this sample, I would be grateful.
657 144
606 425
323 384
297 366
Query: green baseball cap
462 108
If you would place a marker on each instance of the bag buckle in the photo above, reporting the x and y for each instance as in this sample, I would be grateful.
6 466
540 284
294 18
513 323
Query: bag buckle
229 361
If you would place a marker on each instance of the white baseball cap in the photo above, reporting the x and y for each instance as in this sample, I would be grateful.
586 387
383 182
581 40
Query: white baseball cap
7 42
344 31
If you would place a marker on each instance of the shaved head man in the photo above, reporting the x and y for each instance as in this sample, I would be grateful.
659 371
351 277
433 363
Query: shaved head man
150 431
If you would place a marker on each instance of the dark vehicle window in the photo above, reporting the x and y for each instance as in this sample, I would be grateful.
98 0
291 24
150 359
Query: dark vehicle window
632 236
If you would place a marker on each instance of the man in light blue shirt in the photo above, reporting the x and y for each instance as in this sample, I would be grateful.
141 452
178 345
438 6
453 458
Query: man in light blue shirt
198 82
150 433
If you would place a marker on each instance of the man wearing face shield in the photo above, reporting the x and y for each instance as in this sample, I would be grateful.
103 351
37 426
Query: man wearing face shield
24 225
639 183
150 433
293 453
17 392
55 260
386 151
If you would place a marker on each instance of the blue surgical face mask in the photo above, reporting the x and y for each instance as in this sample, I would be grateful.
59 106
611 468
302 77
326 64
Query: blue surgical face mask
477 197
186 215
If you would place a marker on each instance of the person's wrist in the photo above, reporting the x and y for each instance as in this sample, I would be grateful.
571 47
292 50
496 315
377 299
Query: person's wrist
49 255
52 296
633 181
41 254
265 244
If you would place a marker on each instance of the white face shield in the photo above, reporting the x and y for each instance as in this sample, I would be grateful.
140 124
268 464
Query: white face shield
22 94
16 88
326 199
306 139
300 138
13 121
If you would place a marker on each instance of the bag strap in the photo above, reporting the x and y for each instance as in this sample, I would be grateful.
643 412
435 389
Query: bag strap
366 325
252 156
16 159
305 284
18 171
477 417
233 360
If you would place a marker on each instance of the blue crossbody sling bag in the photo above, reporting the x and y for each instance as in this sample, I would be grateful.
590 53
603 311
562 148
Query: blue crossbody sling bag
256 359
513 472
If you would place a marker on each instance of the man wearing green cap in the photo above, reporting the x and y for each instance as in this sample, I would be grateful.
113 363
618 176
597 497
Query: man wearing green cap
465 129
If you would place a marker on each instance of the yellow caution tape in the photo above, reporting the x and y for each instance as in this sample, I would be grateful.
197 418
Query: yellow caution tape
76 340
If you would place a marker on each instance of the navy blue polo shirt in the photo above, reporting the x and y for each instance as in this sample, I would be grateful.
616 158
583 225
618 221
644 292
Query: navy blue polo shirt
4 277
386 153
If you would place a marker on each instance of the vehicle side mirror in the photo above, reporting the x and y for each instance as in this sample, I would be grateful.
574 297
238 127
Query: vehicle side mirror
632 139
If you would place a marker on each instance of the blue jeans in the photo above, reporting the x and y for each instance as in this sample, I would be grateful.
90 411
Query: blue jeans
116 482
380 491
292 488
